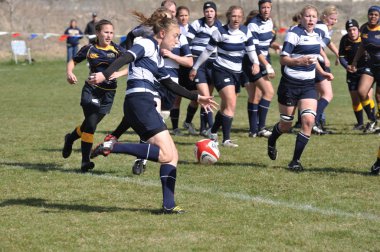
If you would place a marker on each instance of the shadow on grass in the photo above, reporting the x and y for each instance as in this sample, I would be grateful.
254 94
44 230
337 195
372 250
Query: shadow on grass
45 167
42 203
331 170
37 202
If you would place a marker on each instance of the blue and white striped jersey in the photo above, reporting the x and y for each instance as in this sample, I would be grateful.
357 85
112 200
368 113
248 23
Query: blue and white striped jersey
231 46
200 33
147 67
298 42
181 49
326 35
263 34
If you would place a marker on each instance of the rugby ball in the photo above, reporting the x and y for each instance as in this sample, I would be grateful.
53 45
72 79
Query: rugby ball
206 151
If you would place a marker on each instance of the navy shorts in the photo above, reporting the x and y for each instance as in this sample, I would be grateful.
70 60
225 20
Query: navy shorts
140 111
183 79
96 100
318 76
247 68
223 78
204 73
376 73
290 95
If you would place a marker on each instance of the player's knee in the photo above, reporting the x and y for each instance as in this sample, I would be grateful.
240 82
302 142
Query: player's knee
308 117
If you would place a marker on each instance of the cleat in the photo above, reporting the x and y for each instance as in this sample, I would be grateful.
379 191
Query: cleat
203 133
272 152
317 130
190 128
375 169
358 127
110 137
371 127
230 144
264 133
103 149
139 166
86 166
176 132
174 210
67 147
250 134
212 136
295 166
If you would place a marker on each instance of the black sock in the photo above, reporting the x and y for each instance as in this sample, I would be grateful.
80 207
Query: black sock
168 174
276 133
190 113
174 117
301 142
226 127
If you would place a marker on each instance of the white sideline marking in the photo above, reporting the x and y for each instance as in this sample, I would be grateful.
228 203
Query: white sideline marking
257 199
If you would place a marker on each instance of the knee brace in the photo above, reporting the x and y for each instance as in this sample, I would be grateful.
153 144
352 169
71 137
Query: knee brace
308 112
286 118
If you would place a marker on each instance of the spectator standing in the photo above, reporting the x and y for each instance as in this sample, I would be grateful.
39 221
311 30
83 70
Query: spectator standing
90 28
74 34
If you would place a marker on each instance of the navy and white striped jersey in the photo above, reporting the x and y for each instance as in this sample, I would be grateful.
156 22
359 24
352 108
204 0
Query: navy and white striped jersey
231 46
263 34
181 49
147 67
326 35
200 33
298 42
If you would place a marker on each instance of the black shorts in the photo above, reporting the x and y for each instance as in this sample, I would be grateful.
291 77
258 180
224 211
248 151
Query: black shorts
96 100
247 68
204 73
223 78
375 69
183 79
140 111
319 77
290 95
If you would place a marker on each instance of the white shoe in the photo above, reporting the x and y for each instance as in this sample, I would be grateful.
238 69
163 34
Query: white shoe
190 127
264 133
212 136
229 143
318 131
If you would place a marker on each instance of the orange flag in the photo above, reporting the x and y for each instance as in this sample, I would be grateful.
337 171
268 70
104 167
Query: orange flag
63 37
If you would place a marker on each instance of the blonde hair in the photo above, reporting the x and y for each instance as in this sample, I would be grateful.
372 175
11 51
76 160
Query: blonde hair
161 19
329 10
231 9
308 7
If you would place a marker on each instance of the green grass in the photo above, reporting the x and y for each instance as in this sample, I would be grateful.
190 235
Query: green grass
245 202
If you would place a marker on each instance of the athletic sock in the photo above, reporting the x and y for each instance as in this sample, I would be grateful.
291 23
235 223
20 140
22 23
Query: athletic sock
87 139
218 122
262 112
210 119
141 150
174 117
75 134
121 128
368 110
168 174
190 113
203 119
358 110
252 117
322 104
301 142
276 133
226 126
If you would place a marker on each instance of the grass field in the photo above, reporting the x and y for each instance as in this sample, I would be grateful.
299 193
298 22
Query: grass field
245 202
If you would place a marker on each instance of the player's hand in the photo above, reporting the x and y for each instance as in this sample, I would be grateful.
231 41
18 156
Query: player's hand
351 68
96 78
192 74
329 76
270 71
307 60
255 69
207 102
71 78
337 63
166 53
116 75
